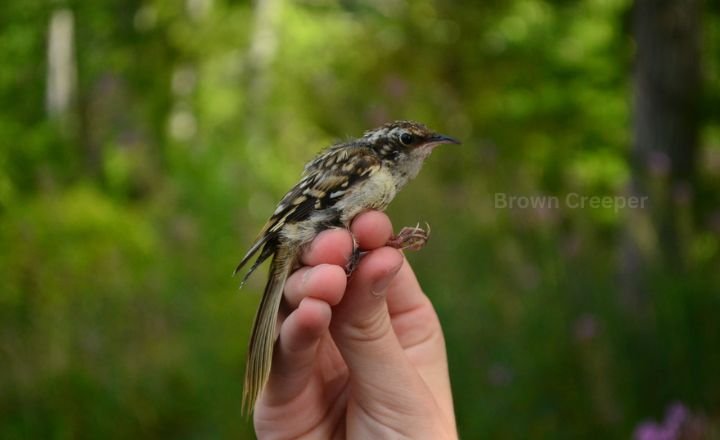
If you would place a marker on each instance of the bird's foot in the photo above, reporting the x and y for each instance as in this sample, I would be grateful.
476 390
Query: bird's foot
410 238
354 258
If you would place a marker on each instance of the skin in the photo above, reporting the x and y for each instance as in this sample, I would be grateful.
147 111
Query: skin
359 357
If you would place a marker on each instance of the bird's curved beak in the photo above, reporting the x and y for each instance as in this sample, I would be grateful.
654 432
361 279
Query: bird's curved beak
438 139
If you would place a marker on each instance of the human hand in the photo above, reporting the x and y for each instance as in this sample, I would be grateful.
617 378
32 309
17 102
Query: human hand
359 357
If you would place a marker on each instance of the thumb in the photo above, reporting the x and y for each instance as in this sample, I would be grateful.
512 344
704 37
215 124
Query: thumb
362 330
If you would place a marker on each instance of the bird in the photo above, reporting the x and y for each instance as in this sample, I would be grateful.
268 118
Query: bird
342 181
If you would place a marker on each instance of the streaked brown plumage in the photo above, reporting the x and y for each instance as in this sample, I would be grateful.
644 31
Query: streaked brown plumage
342 181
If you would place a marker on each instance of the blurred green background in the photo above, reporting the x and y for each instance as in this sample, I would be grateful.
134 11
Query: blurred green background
144 143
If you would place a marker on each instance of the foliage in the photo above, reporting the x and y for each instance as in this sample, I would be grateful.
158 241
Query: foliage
122 217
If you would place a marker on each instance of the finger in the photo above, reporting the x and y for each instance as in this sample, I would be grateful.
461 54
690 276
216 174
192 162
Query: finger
372 229
419 333
406 292
362 330
295 354
325 282
332 246
414 319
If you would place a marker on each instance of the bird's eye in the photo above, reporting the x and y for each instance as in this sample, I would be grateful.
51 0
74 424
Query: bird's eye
406 138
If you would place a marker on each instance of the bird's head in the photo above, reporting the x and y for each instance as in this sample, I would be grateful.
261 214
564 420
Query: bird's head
405 139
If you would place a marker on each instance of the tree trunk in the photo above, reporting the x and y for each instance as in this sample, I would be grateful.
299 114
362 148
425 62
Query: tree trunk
666 93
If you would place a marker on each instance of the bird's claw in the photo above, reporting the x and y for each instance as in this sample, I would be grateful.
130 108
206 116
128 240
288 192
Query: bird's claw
410 238
354 258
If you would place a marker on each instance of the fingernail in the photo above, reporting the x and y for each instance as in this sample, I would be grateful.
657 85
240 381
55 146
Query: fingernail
378 288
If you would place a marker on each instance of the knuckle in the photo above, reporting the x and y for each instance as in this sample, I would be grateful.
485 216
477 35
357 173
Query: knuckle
371 328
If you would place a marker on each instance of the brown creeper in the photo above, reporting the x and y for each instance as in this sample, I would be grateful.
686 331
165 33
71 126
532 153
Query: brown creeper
342 181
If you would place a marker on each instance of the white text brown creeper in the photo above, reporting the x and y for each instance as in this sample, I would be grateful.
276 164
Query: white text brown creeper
342 181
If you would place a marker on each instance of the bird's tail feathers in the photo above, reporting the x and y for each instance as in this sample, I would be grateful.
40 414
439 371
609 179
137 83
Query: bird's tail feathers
268 250
262 341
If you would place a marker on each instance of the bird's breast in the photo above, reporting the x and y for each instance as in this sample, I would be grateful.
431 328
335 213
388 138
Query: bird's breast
374 193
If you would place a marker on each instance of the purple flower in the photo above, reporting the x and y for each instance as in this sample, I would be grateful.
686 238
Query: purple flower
676 416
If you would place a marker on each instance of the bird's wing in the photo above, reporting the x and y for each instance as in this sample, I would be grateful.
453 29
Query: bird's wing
324 181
